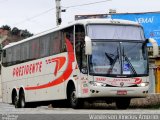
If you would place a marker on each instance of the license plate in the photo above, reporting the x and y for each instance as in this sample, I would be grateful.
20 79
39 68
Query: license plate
121 92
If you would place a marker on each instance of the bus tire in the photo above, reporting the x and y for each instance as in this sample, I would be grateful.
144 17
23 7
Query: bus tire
21 101
16 101
123 103
14 98
75 102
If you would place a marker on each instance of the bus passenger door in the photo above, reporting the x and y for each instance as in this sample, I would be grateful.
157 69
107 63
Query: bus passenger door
81 59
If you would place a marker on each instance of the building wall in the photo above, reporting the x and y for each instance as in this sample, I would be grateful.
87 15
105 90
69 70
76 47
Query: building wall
152 80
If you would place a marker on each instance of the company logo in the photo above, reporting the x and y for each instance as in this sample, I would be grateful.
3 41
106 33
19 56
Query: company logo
59 63
145 20
121 84
27 69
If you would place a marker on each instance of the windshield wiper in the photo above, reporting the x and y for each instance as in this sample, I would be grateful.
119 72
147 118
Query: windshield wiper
111 60
126 58
109 56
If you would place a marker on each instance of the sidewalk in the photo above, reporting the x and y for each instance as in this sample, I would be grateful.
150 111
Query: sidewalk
149 101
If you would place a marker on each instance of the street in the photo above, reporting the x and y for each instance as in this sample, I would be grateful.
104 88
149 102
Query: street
9 112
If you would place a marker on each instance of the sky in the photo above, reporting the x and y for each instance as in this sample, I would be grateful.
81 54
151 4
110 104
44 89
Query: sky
40 15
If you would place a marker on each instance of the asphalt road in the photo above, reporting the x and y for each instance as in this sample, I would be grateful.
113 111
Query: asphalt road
9 112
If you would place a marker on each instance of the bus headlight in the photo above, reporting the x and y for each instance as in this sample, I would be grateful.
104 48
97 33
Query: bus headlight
143 84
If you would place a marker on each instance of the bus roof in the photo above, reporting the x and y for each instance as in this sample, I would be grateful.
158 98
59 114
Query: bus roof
83 22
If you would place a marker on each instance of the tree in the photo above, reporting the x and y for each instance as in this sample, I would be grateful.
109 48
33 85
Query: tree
14 35
6 27
25 33
15 31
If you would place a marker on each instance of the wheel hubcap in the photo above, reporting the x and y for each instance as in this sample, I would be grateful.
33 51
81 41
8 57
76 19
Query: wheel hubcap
15 100
22 102
73 97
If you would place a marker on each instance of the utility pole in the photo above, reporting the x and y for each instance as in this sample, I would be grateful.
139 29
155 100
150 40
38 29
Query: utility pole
58 12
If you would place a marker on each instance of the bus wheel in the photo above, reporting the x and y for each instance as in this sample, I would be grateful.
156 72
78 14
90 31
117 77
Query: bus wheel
74 101
123 103
14 98
21 101
15 101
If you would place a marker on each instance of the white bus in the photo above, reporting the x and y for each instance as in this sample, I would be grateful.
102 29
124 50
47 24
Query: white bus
91 59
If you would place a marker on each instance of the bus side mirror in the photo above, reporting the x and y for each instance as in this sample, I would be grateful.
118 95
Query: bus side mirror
88 46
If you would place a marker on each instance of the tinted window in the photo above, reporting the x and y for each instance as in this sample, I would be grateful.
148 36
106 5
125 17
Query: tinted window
55 43
44 45
16 57
9 56
4 58
68 34
34 49
25 51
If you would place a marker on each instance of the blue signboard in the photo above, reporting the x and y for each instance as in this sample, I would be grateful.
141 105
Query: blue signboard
149 21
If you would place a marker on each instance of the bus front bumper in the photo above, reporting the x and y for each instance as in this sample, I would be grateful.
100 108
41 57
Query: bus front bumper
98 91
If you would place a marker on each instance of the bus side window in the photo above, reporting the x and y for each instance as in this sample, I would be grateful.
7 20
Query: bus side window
68 34
9 56
44 45
34 49
25 52
16 54
4 58
64 49
55 43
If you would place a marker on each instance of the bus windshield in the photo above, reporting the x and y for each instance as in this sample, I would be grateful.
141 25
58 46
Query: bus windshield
118 58
123 56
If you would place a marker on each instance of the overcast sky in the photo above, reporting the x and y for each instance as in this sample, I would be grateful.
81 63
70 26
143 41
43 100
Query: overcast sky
39 15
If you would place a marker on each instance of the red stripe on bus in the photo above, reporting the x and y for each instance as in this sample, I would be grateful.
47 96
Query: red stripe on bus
66 73
59 63
137 81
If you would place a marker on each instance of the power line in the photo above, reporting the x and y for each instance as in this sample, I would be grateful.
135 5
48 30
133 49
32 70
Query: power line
42 13
86 4
32 17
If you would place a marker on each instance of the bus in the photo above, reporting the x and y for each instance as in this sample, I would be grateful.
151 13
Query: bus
87 60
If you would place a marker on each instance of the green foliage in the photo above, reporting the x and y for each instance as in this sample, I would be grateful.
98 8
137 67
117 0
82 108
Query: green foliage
25 33
6 27
13 35
15 31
